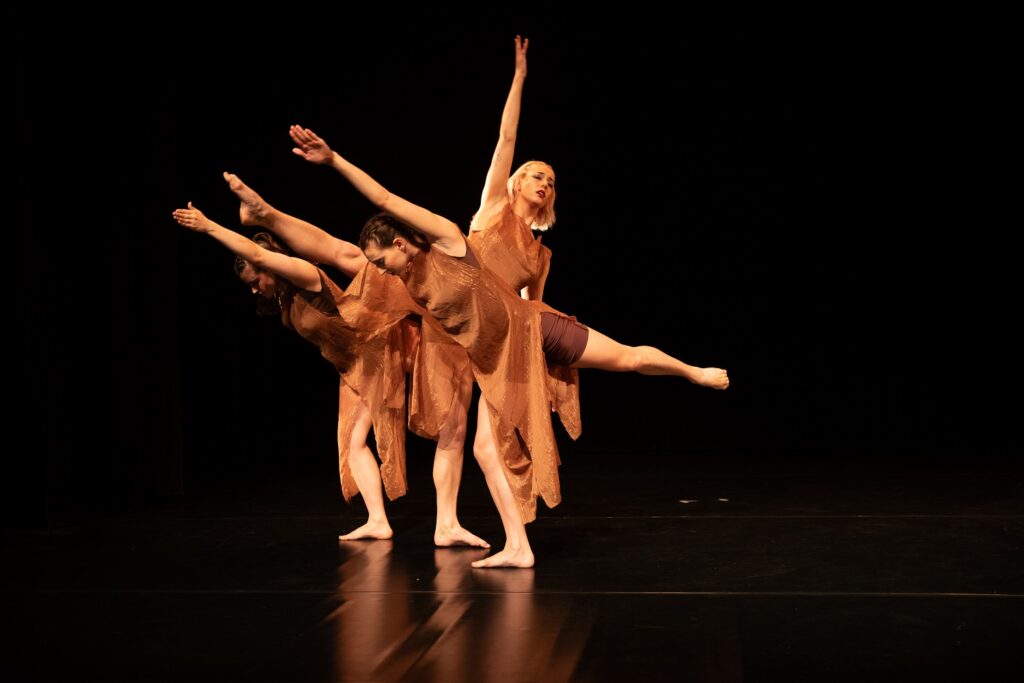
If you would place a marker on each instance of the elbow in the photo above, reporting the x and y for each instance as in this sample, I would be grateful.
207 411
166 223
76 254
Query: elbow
258 258
382 199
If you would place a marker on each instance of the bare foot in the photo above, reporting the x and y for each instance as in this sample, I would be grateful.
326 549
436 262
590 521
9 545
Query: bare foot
253 211
375 530
716 378
457 536
509 557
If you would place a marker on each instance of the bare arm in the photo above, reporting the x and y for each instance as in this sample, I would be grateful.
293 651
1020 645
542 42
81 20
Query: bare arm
439 231
495 193
315 244
302 274
305 239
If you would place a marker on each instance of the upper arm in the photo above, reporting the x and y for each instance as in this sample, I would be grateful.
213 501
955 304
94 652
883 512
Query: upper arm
495 184
302 274
347 257
438 230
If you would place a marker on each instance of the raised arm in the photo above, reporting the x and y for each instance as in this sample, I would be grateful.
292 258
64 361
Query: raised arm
300 273
305 239
438 230
495 192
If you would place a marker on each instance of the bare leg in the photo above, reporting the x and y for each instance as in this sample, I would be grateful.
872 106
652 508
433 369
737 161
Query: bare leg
517 552
448 474
367 475
604 353
254 210
304 238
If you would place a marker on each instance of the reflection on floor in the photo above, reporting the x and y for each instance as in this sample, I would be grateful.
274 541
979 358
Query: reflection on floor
765 573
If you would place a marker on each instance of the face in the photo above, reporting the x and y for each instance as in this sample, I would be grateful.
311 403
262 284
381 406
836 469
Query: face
260 281
394 259
538 186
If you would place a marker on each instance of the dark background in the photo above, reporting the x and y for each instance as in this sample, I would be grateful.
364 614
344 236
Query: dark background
809 204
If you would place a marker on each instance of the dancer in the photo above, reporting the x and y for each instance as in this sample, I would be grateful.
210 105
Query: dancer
506 338
514 204
501 236
365 345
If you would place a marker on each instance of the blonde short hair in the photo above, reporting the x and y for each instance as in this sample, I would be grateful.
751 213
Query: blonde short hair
546 217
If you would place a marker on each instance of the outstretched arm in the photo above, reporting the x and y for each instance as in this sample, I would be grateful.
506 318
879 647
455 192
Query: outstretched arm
439 231
495 192
300 273
305 239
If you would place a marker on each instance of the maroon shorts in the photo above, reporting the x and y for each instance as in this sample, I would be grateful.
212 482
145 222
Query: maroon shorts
564 339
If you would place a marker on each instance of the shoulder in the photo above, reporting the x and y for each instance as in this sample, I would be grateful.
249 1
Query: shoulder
486 216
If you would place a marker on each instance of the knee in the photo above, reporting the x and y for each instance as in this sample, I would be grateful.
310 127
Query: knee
636 358
485 453
357 442
647 357
453 434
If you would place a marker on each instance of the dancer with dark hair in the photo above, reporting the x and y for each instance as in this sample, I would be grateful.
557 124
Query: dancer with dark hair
506 338
368 346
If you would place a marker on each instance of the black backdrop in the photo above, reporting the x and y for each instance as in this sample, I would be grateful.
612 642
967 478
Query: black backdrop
809 208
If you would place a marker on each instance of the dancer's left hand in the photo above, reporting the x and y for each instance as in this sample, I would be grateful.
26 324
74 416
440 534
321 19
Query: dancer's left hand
311 146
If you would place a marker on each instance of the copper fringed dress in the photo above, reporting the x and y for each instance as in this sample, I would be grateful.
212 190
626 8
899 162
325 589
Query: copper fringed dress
502 336
378 305
508 247
366 346
375 377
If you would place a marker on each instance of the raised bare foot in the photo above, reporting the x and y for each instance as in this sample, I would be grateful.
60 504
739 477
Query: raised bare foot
253 211
375 530
456 535
716 378
509 557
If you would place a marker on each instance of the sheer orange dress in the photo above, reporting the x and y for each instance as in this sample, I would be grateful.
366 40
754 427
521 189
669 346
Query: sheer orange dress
509 248
502 336
395 339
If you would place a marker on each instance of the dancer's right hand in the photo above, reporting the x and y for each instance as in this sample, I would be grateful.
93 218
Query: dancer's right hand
521 46
193 219
311 146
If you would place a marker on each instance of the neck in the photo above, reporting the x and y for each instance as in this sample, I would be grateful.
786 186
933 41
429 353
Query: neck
525 210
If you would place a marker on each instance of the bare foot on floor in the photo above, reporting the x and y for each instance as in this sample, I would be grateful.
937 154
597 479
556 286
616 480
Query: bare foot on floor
253 211
457 536
370 530
508 557
716 378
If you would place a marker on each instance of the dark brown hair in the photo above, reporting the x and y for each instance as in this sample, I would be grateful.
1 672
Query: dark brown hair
383 229
264 305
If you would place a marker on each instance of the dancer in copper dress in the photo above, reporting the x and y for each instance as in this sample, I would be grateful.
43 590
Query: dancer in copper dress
367 340
442 380
507 339
501 236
